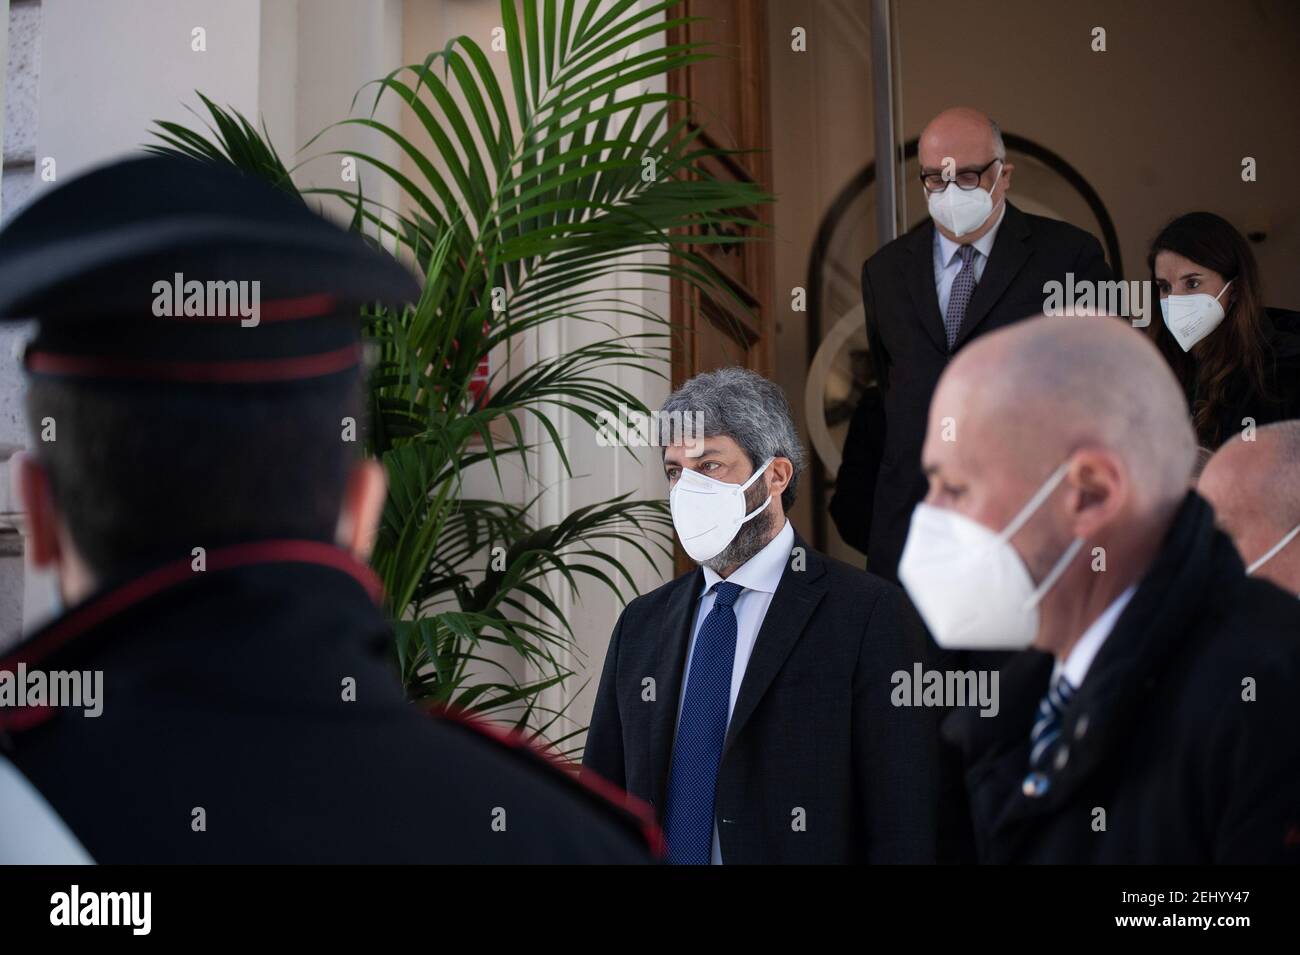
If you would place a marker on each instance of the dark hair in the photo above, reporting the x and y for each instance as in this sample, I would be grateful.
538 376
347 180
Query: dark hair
1233 364
140 475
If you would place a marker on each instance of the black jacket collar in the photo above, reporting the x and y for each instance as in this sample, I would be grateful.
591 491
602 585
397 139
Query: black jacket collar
1194 559
252 603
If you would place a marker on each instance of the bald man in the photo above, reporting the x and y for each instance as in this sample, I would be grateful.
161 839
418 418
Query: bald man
1154 719
1255 489
976 265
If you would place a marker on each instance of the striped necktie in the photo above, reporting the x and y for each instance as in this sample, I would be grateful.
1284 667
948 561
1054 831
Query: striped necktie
1047 725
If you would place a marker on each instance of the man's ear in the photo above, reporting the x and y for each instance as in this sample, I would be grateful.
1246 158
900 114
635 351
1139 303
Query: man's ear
1102 490
363 505
31 484
779 473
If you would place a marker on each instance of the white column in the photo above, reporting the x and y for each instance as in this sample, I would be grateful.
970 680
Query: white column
94 78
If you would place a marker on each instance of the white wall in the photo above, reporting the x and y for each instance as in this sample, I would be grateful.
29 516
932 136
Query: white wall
19 70
108 70
93 76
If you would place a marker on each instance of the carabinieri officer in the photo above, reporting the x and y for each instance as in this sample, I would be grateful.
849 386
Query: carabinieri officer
197 355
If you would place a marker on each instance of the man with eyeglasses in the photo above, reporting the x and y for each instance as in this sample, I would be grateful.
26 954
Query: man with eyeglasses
977 265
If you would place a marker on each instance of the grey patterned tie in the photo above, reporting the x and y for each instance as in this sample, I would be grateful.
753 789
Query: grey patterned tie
962 287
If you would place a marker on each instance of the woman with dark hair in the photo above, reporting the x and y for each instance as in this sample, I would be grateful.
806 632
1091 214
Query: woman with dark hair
1236 358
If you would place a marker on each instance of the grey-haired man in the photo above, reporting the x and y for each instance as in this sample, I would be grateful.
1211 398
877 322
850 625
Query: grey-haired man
750 701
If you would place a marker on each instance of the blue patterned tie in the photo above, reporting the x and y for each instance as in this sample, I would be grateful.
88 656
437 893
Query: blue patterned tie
1047 725
962 288
697 751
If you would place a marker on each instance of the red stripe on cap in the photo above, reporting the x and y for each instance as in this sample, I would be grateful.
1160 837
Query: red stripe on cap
289 309
248 371
276 310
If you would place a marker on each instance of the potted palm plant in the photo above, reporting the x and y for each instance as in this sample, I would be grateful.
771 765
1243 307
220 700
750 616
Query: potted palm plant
536 207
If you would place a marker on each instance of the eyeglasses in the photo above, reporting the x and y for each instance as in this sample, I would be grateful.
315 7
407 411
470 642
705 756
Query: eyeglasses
966 179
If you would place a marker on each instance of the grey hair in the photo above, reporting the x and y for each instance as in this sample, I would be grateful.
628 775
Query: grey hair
742 405
999 147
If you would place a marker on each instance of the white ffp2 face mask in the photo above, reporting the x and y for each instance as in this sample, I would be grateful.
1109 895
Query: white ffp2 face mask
962 211
968 582
707 514
1190 318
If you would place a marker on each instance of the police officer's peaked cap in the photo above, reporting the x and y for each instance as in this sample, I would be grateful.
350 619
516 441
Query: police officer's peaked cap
163 269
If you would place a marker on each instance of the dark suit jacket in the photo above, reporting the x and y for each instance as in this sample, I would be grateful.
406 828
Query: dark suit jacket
910 349
813 727
855 482
224 690
1159 736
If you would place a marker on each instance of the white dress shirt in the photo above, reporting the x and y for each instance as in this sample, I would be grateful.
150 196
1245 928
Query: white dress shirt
1079 660
947 258
760 576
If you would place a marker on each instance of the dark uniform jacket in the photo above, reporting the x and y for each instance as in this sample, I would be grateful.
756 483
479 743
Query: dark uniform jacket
225 735
813 726
1161 759
909 348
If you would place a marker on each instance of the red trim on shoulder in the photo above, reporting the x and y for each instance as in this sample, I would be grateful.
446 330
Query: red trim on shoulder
250 371
85 616
596 785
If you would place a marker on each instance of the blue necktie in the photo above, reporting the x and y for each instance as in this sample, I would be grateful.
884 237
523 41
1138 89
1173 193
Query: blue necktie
701 731
1047 725
963 286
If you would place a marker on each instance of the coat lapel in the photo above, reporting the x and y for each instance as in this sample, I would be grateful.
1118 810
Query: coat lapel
674 638
1110 704
796 597
1010 253
920 283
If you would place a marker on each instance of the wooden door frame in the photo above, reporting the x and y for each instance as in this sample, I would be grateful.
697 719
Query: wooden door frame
687 308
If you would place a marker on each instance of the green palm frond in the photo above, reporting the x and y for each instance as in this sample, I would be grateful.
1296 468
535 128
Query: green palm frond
557 192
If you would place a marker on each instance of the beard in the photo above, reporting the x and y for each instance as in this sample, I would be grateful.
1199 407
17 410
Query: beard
752 536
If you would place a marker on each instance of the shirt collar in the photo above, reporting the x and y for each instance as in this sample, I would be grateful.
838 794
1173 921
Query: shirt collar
762 571
948 248
1081 655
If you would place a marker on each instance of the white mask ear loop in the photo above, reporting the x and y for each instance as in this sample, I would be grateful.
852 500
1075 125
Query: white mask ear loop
994 188
1041 590
1274 550
1028 511
1224 289
1034 502
745 487
754 477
